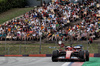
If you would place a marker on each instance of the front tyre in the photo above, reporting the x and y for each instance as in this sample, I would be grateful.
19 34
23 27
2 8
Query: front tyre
55 54
87 55
81 54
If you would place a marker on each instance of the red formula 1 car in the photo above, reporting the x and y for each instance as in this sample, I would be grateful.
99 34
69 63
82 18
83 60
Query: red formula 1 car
70 53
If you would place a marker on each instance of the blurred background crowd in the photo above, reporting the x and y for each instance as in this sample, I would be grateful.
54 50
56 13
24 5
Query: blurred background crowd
52 21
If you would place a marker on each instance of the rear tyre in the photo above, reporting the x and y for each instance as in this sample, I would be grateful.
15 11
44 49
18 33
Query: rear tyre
87 55
81 54
55 54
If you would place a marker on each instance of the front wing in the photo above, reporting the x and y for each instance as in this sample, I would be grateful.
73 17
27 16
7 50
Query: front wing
62 58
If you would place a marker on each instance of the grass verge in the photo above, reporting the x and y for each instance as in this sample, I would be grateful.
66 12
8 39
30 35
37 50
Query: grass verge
10 14
11 49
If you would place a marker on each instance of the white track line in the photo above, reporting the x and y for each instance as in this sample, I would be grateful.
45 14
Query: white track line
66 64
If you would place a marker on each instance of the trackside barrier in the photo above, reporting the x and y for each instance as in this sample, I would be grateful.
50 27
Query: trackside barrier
38 55
48 55
44 55
96 55
25 55
2 55
91 55
13 55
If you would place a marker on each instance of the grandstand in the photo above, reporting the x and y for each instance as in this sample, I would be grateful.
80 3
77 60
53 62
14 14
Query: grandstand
52 19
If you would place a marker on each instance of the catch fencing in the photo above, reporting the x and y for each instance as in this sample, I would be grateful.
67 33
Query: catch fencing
35 47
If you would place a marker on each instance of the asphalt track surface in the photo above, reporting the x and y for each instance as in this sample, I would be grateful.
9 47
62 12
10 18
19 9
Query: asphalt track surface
28 61
44 61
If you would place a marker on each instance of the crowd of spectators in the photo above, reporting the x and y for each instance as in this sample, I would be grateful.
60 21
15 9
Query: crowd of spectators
89 28
50 20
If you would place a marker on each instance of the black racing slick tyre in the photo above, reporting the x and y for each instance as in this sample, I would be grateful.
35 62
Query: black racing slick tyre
81 54
55 54
87 56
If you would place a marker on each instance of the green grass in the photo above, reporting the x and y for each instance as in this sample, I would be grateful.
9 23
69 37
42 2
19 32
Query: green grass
34 48
93 61
10 14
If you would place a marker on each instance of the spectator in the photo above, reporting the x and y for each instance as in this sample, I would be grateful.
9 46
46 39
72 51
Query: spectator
51 19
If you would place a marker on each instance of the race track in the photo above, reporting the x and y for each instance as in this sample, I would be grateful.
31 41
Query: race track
28 61
42 61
